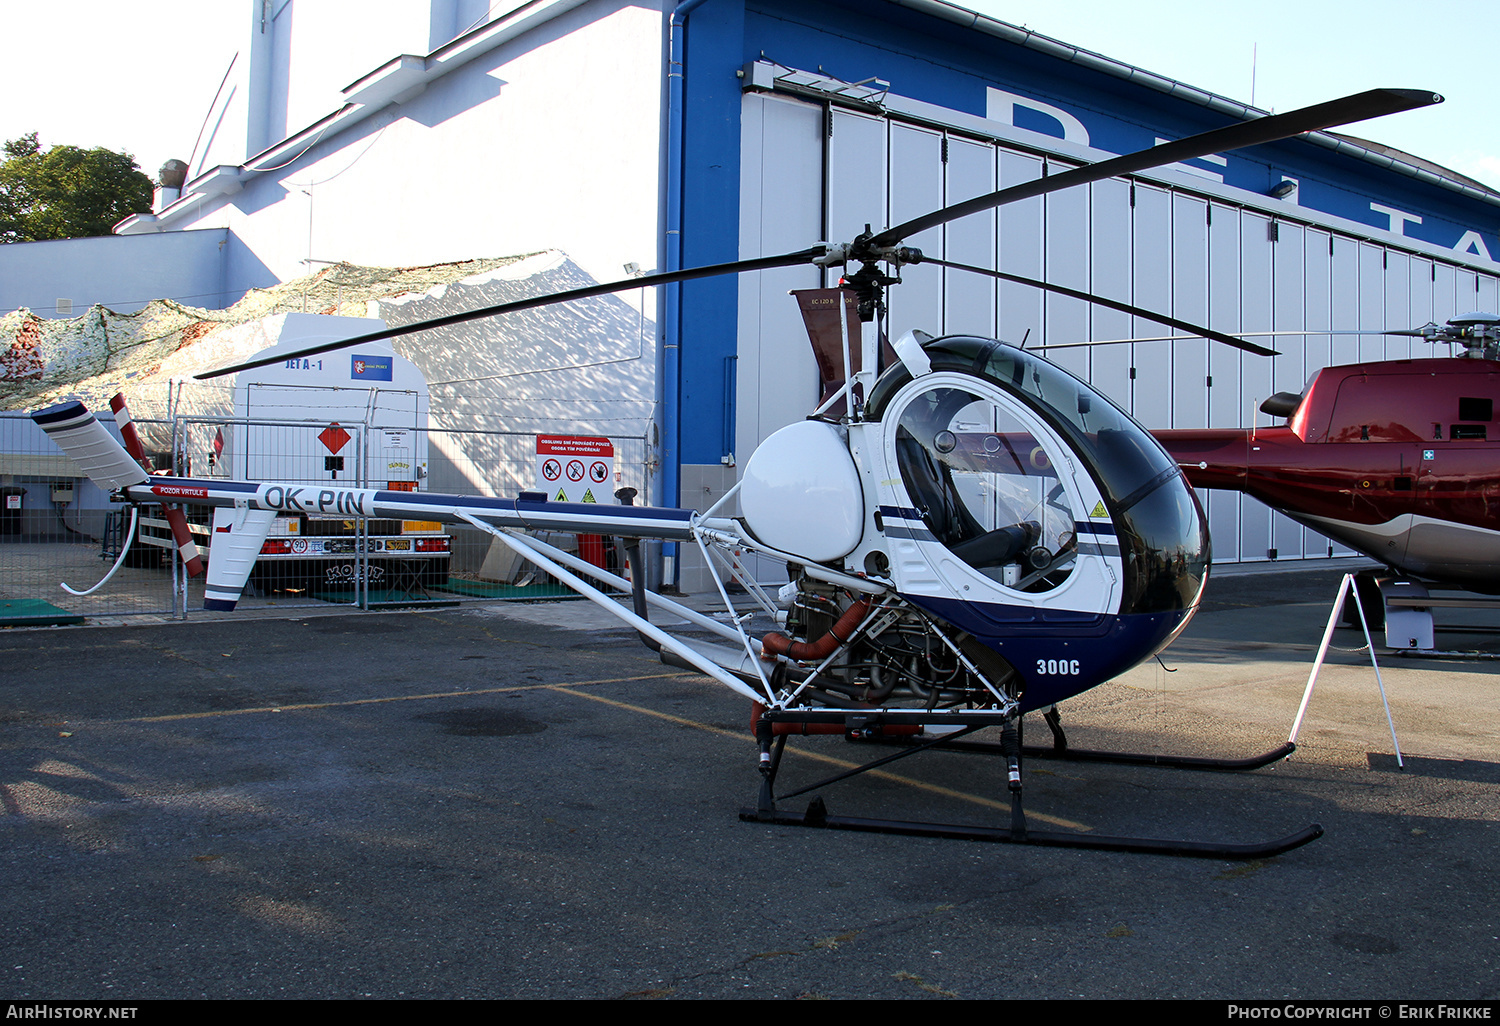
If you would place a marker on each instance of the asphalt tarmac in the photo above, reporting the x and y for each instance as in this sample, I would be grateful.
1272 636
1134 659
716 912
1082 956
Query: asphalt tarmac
478 803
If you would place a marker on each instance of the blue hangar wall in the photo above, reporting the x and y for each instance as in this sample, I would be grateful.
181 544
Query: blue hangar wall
950 66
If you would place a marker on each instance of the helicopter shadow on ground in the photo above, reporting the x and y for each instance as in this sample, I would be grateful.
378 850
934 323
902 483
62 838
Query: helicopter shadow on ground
1398 850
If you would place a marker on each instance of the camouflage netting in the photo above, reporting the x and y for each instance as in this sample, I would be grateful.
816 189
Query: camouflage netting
585 367
103 352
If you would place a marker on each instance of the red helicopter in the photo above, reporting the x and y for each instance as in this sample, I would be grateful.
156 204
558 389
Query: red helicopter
1391 458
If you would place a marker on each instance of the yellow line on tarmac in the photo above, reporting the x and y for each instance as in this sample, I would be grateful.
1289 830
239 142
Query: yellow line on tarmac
391 698
568 689
946 792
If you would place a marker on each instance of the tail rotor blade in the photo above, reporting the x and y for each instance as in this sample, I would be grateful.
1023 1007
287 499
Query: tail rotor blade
127 431
176 518
183 536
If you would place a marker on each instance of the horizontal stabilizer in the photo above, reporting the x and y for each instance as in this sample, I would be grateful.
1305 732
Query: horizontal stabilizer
89 444
238 536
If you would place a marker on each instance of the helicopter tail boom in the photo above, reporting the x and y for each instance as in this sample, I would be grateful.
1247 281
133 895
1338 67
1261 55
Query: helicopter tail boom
1211 458
106 463
244 510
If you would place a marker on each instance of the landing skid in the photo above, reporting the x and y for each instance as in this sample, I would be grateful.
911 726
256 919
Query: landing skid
817 816
1168 761
870 727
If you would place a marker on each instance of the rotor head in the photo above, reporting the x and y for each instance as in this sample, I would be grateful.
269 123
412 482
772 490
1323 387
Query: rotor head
1478 333
869 282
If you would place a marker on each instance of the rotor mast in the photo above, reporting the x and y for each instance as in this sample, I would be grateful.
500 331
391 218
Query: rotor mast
868 285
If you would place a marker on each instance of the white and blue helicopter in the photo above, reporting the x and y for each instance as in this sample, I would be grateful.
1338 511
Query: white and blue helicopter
970 532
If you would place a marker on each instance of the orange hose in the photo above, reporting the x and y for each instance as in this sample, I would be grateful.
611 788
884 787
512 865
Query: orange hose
777 644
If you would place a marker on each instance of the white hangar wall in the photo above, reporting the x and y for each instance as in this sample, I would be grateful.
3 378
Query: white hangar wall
1167 240
403 134
548 139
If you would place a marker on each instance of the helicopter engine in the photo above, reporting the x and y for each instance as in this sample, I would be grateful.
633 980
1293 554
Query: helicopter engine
902 659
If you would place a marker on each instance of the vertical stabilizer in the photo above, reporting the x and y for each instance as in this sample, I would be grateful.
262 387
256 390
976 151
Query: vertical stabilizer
239 534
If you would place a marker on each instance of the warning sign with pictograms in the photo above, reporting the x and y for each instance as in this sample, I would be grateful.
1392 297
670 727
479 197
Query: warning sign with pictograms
571 467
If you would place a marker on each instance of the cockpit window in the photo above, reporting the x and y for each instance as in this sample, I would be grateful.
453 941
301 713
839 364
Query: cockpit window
1132 459
1162 538
986 488
1158 526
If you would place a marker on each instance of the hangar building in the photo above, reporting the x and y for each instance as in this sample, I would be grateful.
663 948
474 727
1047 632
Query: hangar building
643 134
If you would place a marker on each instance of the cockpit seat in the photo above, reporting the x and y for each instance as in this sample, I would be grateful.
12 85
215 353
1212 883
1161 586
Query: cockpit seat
998 547
930 485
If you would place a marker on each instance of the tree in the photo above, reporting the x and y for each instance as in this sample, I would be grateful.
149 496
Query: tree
67 192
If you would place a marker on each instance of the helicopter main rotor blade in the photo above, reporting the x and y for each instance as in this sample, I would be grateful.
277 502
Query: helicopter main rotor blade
1193 330
531 303
1359 107
1242 335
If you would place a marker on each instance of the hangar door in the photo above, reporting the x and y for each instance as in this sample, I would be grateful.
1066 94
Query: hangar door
813 171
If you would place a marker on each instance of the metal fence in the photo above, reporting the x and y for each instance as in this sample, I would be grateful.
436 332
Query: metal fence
56 527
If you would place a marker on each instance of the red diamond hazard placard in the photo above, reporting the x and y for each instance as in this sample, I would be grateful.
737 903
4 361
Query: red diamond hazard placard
333 437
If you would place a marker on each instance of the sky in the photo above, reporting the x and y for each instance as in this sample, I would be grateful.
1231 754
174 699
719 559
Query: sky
122 74
139 77
1292 55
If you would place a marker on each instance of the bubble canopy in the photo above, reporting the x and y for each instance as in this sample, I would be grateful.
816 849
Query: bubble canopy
1163 539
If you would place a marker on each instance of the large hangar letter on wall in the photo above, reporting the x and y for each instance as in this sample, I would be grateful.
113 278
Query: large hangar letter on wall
1001 106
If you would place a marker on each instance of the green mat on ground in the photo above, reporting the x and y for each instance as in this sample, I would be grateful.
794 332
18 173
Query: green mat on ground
34 613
